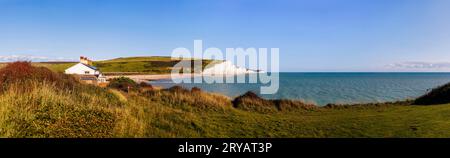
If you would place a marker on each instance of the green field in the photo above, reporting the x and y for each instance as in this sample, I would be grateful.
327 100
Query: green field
129 65
52 105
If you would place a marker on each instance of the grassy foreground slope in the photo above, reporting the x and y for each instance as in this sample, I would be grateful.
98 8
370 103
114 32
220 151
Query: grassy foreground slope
39 103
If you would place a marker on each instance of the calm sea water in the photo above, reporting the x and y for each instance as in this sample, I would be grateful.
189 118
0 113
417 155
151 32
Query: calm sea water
324 88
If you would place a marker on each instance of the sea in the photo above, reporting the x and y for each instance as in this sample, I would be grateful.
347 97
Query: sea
337 88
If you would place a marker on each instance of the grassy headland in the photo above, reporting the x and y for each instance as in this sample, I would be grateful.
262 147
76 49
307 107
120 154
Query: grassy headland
126 66
41 103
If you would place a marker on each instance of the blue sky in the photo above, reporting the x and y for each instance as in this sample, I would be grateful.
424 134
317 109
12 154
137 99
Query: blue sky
313 35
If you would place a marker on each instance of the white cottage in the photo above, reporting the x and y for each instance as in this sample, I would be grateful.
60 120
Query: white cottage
86 72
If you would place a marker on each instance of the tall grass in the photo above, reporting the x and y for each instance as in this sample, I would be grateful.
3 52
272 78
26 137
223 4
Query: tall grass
46 111
36 102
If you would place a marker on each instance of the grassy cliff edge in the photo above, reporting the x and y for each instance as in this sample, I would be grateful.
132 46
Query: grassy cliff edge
41 103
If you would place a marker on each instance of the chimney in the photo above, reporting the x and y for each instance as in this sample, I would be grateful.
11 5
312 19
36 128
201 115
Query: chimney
89 61
84 60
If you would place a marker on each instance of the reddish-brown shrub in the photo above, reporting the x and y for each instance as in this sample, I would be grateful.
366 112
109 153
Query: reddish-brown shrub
196 90
23 71
145 85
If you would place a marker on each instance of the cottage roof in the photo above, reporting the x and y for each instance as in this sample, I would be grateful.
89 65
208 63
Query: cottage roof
91 67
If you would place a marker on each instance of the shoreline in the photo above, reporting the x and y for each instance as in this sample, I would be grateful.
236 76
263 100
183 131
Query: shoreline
157 77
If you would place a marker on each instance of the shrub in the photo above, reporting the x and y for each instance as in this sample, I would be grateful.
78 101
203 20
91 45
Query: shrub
287 105
196 90
177 89
123 83
250 101
439 95
185 99
22 72
145 87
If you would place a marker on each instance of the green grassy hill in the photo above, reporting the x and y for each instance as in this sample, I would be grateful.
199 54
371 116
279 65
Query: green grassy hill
36 103
140 65
129 65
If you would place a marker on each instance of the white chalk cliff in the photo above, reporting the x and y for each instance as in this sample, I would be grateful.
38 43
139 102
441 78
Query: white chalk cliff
227 68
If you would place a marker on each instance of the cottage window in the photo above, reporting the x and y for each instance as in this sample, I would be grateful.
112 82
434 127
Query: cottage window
86 72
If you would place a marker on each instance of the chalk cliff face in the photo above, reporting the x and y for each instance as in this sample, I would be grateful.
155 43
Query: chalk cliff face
227 68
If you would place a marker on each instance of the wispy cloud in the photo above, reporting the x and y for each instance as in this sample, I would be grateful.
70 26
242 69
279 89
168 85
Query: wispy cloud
11 58
417 65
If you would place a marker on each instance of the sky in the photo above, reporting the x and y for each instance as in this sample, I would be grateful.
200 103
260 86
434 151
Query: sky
312 35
